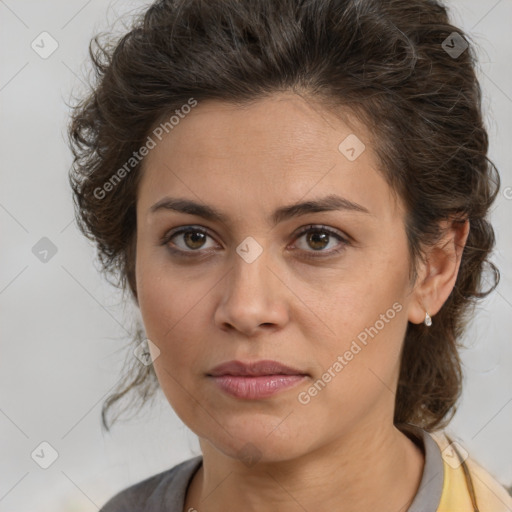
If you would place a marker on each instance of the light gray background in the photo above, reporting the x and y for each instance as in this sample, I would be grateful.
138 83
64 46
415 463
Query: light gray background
62 326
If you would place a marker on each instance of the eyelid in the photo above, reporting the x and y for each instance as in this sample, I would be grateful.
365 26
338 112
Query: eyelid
321 227
343 238
166 238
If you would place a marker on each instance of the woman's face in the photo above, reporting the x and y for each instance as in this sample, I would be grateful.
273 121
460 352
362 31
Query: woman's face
333 304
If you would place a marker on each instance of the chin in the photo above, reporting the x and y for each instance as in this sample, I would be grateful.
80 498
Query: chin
257 441
254 450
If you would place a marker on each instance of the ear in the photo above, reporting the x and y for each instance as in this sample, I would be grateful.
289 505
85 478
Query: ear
437 275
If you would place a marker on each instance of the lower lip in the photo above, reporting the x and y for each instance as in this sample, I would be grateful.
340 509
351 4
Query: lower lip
254 388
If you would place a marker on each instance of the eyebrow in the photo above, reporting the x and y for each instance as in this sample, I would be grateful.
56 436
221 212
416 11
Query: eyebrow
329 203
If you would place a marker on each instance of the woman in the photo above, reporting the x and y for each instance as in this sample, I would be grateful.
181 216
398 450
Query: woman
296 195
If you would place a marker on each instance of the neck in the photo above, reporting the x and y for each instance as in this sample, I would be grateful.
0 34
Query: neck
363 470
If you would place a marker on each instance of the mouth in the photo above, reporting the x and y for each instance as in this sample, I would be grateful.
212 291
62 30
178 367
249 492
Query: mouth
255 380
254 369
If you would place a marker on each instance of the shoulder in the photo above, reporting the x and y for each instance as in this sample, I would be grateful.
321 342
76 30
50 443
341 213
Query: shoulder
466 481
164 488
491 495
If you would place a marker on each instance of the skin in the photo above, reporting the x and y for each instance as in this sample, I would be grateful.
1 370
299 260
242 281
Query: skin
341 450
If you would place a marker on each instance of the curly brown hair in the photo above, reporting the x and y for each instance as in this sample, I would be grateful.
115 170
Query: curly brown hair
396 64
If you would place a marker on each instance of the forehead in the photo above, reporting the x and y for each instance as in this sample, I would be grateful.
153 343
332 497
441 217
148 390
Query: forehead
222 129
272 151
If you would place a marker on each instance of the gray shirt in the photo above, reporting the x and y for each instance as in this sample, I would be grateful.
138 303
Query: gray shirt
165 491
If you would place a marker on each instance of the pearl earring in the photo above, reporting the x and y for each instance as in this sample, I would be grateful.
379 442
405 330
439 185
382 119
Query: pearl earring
428 320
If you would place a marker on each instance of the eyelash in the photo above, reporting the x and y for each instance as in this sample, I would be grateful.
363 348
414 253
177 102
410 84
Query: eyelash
308 255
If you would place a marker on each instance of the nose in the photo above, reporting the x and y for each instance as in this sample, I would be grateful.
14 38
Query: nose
253 297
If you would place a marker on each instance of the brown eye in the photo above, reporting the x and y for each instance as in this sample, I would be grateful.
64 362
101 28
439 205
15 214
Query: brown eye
187 239
194 239
318 238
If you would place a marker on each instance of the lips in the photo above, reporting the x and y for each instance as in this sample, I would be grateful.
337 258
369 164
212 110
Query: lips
255 380
254 369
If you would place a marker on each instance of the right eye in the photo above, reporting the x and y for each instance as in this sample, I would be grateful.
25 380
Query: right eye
192 240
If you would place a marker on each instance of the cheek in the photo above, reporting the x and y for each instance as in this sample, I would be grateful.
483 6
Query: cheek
358 367
168 308
170 312
164 295
366 316
372 294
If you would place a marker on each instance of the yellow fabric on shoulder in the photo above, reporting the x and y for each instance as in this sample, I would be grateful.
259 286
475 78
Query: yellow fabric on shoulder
489 494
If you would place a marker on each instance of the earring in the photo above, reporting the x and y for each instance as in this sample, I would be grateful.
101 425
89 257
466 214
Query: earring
428 320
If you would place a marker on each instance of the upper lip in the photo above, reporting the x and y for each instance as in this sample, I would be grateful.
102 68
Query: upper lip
255 368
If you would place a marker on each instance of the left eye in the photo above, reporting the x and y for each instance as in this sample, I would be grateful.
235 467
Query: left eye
319 237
